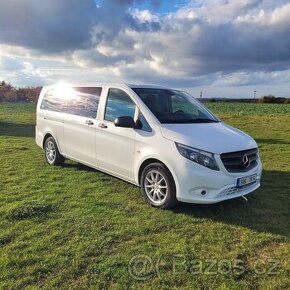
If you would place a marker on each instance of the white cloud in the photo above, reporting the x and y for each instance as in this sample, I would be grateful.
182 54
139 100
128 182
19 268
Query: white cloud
213 43
280 16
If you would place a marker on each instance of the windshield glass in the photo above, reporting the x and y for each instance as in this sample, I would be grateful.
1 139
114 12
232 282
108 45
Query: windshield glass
171 106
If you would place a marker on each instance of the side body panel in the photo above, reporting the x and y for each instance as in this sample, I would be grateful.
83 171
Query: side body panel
80 138
115 146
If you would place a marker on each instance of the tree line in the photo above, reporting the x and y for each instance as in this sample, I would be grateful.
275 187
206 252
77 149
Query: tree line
9 93
274 100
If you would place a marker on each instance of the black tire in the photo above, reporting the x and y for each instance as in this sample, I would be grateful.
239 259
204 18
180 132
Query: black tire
164 190
51 152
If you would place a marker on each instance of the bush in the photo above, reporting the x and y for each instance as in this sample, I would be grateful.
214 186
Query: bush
267 99
272 99
8 93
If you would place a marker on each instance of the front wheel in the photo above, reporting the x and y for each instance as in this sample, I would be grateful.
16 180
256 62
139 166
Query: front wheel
52 155
158 186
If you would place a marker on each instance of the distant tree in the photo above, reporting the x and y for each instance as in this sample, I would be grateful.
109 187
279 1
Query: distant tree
8 93
272 99
29 94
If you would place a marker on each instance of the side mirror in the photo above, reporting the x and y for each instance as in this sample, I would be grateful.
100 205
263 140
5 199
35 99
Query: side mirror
125 122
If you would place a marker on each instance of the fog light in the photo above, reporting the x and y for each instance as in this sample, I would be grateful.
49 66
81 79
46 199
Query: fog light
203 192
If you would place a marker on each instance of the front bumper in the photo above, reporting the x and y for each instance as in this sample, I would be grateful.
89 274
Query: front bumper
198 184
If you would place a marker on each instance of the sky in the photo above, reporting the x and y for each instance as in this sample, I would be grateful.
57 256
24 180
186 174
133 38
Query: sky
220 47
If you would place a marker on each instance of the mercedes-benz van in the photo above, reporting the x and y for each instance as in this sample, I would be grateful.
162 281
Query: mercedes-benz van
161 139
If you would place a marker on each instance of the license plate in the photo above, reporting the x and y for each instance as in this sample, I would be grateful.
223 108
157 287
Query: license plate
246 180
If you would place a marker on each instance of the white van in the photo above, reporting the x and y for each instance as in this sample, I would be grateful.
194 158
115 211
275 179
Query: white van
160 139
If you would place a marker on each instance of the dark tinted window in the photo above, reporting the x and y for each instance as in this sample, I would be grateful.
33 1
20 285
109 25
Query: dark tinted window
118 104
171 106
53 102
84 102
179 103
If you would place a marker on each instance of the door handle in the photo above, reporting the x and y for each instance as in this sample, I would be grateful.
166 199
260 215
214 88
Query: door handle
89 122
103 125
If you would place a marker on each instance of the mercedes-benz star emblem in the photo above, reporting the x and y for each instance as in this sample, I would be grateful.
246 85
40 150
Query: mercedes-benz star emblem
246 160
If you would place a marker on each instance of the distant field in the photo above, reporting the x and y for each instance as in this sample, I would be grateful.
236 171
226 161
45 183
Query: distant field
248 108
76 228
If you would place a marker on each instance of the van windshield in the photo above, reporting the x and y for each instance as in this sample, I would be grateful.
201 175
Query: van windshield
172 106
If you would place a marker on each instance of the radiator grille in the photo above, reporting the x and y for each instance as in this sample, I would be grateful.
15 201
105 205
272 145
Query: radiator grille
240 161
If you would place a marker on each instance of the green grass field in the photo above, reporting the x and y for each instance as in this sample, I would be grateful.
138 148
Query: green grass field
73 227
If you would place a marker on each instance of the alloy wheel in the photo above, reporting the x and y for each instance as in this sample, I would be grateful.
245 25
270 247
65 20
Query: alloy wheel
155 186
50 151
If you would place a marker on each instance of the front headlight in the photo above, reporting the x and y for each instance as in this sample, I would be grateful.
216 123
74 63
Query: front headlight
201 157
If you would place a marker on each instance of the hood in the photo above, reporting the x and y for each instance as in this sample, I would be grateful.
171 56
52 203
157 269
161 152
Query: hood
212 137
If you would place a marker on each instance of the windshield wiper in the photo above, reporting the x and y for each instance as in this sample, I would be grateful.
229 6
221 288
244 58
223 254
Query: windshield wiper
201 120
189 121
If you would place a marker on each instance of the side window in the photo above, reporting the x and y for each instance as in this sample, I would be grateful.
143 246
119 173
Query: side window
144 124
118 104
53 102
84 102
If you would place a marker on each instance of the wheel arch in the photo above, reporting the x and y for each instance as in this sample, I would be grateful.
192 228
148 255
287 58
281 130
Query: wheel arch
48 134
151 160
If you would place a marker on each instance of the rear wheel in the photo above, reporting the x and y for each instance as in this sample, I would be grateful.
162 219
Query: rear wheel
52 155
158 186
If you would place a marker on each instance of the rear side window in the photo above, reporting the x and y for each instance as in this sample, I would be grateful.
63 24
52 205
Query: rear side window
53 102
118 104
84 102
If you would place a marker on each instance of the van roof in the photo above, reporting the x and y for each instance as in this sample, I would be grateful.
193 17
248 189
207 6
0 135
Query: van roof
95 84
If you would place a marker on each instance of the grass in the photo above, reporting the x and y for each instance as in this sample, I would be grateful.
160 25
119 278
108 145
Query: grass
77 228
